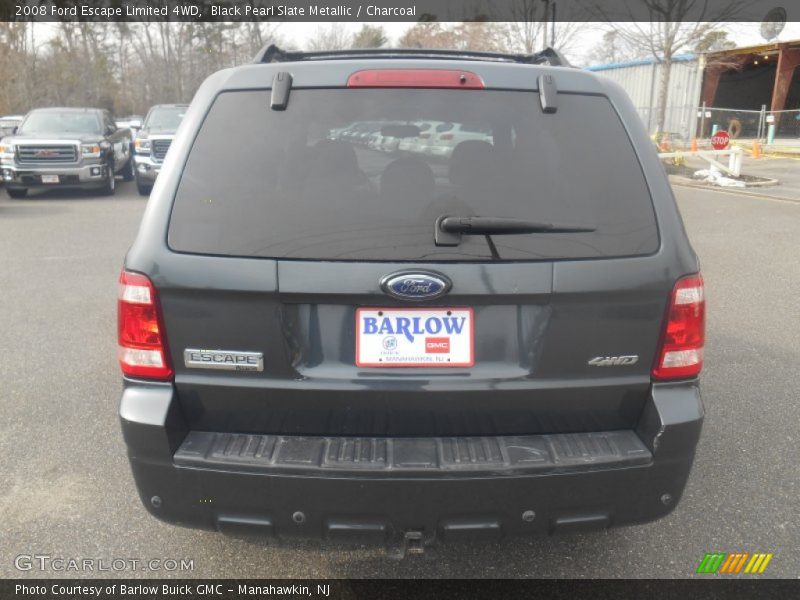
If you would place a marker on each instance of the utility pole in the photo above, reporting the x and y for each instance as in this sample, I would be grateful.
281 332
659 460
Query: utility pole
544 24
549 15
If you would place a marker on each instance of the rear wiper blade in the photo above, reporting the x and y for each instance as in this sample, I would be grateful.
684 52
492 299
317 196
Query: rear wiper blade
502 225
448 230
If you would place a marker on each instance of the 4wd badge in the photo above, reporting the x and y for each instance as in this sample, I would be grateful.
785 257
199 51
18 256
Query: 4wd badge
613 361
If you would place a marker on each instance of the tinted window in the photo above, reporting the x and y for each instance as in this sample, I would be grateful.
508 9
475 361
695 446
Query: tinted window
165 117
295 184
476 128
51 121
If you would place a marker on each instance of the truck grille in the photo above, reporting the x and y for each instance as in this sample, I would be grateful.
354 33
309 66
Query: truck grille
160 148
47 154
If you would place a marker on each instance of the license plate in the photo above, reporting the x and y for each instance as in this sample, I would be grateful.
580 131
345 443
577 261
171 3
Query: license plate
49 178
415 337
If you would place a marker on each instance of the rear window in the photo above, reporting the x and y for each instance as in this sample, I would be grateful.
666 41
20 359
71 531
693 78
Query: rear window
298 184
165 117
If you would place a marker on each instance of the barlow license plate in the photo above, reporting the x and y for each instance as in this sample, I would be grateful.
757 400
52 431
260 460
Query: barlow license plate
415 337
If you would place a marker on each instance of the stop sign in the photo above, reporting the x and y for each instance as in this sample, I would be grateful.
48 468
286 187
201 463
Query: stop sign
720 140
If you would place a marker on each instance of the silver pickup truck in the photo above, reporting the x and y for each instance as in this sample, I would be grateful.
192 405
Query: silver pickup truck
66 147
152 142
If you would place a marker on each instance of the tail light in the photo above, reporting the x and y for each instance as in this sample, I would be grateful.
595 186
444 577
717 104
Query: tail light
680 354
142 349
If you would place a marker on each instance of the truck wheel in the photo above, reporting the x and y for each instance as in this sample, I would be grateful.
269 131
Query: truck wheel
110 185
17 192
127 172
144 189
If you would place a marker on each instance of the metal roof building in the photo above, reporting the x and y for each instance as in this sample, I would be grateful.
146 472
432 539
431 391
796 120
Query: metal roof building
744 90
640 78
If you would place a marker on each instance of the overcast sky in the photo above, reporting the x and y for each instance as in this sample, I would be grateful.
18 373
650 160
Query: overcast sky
744 34
590 34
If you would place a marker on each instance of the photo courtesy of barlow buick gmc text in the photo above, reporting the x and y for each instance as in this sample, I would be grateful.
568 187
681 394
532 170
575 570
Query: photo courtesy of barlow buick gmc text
407 299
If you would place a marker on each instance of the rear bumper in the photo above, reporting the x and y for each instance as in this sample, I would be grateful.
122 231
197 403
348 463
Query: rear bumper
422 489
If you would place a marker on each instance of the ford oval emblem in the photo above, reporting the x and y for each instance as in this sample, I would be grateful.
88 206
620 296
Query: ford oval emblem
416 285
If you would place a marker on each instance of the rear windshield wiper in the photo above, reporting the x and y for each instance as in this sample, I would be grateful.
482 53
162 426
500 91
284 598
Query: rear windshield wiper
448 230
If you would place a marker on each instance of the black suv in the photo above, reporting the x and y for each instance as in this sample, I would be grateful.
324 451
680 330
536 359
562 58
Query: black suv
322 338
153 140
66 147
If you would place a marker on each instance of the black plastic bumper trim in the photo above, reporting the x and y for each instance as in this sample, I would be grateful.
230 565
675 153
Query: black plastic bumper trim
329 456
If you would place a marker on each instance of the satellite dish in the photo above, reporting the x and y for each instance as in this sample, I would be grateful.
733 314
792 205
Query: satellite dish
773 23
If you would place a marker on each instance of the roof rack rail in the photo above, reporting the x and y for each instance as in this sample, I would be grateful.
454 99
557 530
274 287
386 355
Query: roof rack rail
271 53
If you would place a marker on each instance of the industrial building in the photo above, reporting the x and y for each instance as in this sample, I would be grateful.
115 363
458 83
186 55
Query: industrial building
640 78
753 92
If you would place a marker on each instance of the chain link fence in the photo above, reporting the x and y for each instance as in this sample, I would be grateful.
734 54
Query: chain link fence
785 124
682 123
678 121
746 124
764 125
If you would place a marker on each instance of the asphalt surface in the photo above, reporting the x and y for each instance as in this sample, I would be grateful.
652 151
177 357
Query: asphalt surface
786 171
66 490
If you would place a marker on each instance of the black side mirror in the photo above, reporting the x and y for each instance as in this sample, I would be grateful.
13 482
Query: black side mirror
14 130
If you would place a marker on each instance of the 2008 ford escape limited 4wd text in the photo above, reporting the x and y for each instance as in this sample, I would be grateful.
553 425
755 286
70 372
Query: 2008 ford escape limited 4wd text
333 337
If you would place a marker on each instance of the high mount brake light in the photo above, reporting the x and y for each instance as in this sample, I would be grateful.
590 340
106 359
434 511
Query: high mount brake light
680 353
415 78
140 330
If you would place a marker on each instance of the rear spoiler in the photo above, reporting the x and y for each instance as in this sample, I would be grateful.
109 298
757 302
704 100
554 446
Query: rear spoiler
273 54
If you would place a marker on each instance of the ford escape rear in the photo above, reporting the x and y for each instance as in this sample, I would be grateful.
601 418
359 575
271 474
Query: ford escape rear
322 338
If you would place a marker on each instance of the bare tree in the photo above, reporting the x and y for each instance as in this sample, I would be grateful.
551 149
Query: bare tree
480 36
473 35
370 36
125 67
533 27
14 66
20 73
714 41
427 34
669 31
330 37
610 50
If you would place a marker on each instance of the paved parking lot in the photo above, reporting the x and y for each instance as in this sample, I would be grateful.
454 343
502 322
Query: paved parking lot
66 490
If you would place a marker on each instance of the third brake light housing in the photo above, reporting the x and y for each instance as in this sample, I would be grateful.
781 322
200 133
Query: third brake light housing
415 78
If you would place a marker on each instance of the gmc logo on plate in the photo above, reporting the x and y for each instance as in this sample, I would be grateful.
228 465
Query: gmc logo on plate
435 345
